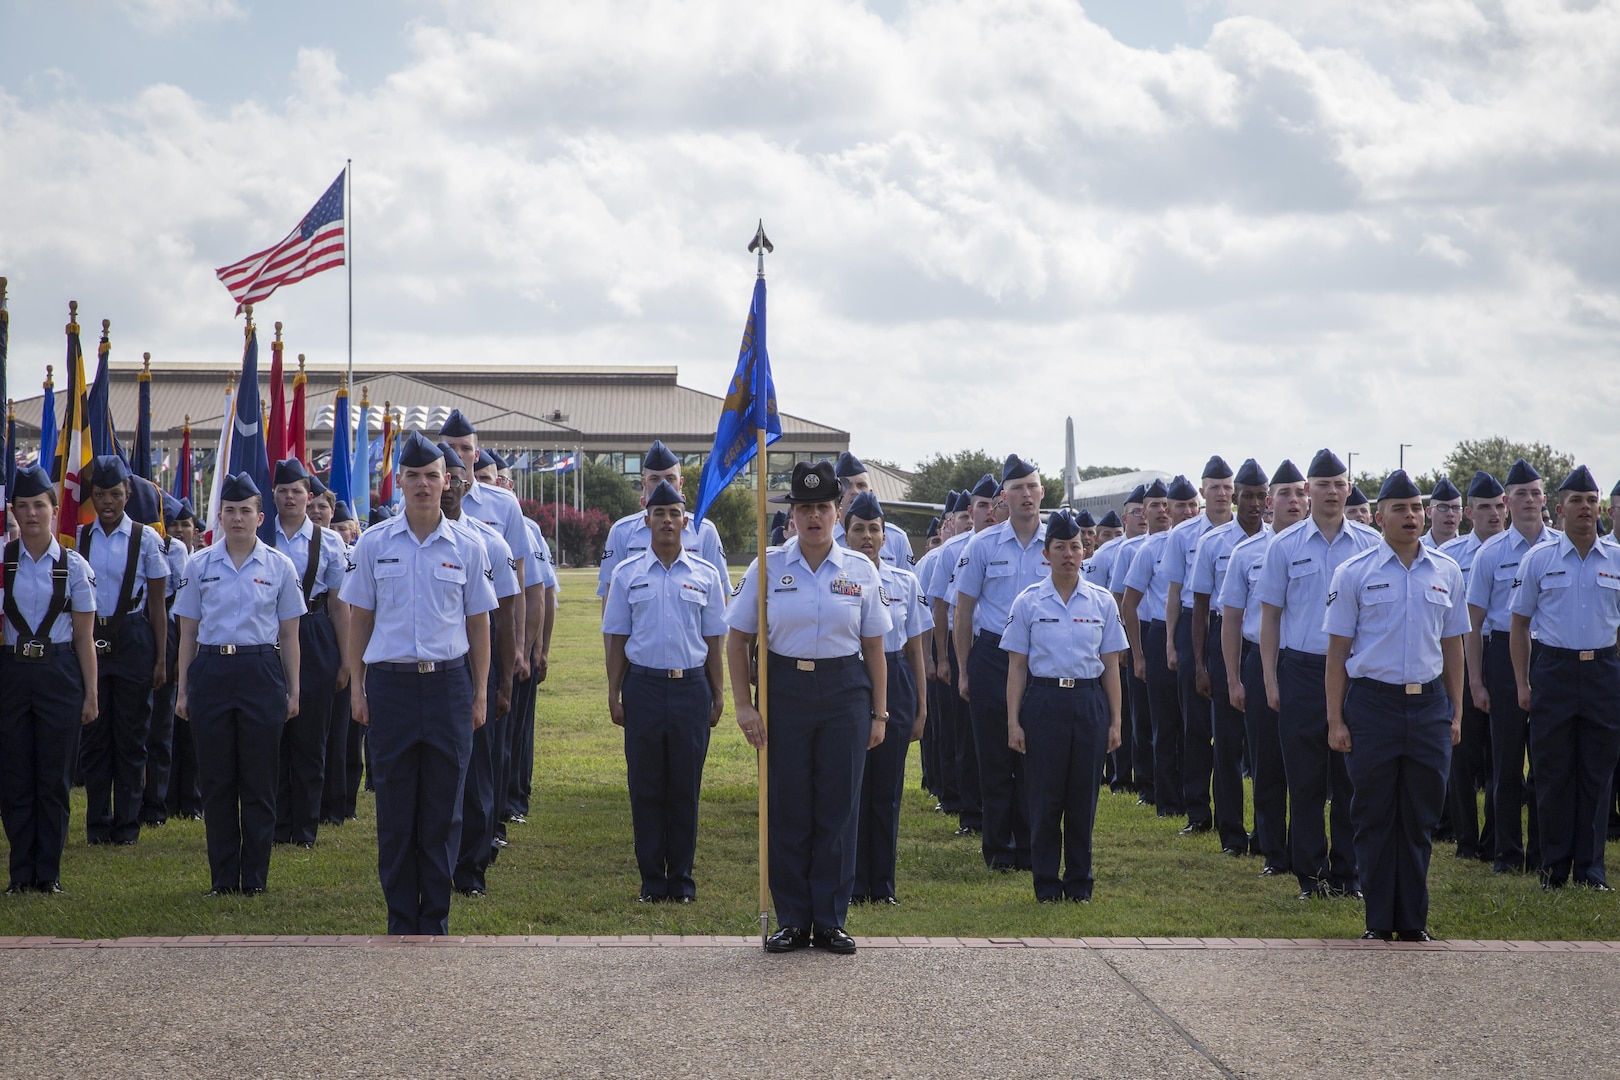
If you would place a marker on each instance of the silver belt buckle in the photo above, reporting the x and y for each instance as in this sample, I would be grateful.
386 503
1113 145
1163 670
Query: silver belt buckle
426 667
805 665
1588 654
1414 688
1067 684
227 650
675 673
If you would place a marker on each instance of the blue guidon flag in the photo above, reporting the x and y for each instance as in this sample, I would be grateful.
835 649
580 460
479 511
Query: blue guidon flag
750 407
248 453
316 244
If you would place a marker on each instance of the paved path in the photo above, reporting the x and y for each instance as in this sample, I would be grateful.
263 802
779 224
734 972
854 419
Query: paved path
718 1007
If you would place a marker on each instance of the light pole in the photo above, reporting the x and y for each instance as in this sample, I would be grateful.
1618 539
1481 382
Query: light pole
1404 447
1350 464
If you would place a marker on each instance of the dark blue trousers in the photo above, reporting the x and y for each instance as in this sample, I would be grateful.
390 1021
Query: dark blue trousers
1471 770
1197 730
39 732
160 738
1122 770
1065 739
971 814
928 748
303 738
1001 772
1511 789
1314 770
1230 746
523 750
334 778
1400 753
238 706
1141 717
185 788
476 849
1574 741
819 723
666 741
420 738
883 781
1266 765
112 750
1164 707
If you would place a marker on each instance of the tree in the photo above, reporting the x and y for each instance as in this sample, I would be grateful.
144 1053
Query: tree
1097 472
733 513
582 534
610 491
941 473
1496 456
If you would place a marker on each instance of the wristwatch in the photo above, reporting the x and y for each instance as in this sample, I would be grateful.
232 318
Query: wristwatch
880 716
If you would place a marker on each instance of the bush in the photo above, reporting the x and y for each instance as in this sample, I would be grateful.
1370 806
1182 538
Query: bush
582 533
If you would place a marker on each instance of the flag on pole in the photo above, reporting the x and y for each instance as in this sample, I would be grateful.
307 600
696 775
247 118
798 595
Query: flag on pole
749 408
47 424
183 468
222 458
142 465
247 441
276 434
338 480
360 469
385 486
296 446
103 432
73 448
316 244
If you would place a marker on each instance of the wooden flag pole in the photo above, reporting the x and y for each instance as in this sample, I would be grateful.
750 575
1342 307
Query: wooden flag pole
763 665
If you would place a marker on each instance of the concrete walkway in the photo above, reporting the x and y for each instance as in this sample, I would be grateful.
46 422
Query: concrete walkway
718 1007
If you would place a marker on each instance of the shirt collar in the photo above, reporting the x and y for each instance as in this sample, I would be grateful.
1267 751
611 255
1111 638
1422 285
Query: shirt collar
124 526
52 553
303 532
837 554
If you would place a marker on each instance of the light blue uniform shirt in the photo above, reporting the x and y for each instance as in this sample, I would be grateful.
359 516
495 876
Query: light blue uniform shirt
1427 540
1395 616
499 509
1242 575
1462 550
1211 558
1149 575
177 556
896 549
1122 562
1180 552
1064 640
108 553
1100 566
547 566
1576 600
666 614
812 615
908 610
630 536
34 587
1497 565
1297 575
239 605
947 564
422 593
997 570
504 582
334 558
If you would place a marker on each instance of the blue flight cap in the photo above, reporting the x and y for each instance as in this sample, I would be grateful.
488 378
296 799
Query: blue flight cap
1616 490
1444 491
341 514
379 514
1287 473
238 487
1138 494
457 425
665 495
1015 468
108 471
1484 486
1522 473
315 485
417 451
1357 497
950 501
779 520
986 488
658 458
1216 468
145 501
777 538
1061 525
452 460
1155 490
500 462
866 507
1399 486
933 528
1326 463
187 511
1083 516
1250 474
171 508
32 481
1579 480
1111 520
848 465
485 460
1182 490
289 471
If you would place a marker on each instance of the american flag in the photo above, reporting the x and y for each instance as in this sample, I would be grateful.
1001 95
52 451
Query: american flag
315 245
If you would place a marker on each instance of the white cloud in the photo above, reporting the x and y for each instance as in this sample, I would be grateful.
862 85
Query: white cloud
167 14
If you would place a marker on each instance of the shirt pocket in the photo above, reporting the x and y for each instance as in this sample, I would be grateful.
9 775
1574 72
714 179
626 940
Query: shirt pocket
1555 581
393 585
449 586
1380 611
1299 571
999 570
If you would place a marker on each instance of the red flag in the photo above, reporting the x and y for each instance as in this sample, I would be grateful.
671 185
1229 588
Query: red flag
385 488
275 435
73 449
295 420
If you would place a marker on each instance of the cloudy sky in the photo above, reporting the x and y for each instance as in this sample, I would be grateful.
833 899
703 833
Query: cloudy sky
1235 226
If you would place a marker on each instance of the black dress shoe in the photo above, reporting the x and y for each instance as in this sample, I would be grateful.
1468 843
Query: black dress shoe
1597 886
683 900
517 819
307 845
1049 899
1193 828
125 843
500 842
834 940
787 939
17 889
253 891
471 892
1376 935
49 888
858 901
1272 871
1232 852
649 898
1143 800
1339 893
217 892
1414 935
889 900
967 830
1313 892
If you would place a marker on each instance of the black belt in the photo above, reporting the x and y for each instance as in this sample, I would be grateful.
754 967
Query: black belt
896 655
1064 684
422 667
831 663
1411 689
666 673
1316 659
985 635
318 603
1605 653
235 650
1156 622
35 650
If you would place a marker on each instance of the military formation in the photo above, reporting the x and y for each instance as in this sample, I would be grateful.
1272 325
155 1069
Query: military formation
1364 665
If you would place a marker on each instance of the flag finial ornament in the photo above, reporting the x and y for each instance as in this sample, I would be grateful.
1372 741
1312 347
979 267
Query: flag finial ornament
247 309
50 376
73 317
146 368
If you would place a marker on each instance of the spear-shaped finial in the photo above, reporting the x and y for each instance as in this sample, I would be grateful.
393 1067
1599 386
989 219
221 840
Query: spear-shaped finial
248 309
761 243
50 376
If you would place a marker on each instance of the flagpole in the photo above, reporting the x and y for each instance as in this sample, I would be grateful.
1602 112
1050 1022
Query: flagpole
762 654
348 251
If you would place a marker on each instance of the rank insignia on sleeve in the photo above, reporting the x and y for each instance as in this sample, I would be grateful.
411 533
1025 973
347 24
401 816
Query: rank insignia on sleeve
883 595
737 591
513 563
489 573
1332 596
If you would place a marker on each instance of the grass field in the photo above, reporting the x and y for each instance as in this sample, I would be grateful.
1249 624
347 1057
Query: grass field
571 870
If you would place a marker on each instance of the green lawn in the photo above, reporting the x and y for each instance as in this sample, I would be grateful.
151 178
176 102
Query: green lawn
571 870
